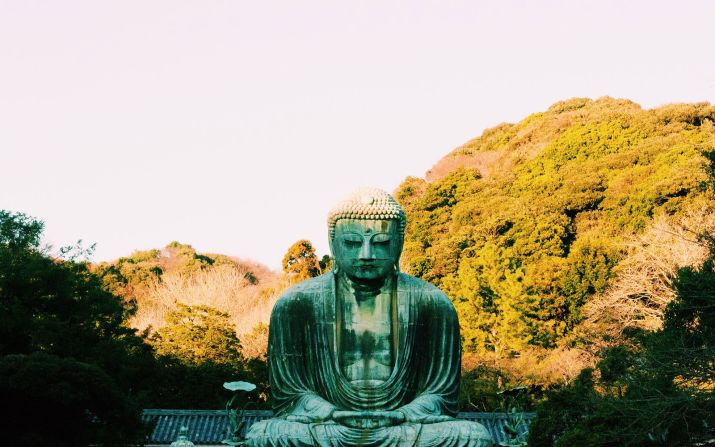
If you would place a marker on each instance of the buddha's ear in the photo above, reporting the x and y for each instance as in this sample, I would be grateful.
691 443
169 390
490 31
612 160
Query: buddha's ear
399 255
334 267
332 253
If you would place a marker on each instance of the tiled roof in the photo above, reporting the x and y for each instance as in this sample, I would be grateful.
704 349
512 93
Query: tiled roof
208 427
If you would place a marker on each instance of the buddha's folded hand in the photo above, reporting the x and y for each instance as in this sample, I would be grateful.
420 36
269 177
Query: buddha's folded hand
368 419
320 414
434 419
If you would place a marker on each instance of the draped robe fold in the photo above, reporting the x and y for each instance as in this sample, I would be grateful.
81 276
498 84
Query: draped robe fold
307 383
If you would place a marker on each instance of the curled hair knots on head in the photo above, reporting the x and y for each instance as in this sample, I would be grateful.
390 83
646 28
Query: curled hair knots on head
367 204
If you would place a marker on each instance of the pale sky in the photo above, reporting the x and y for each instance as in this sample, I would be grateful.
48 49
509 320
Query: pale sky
234 126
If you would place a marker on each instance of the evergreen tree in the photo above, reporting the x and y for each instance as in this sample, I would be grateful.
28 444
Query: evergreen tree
199 351
300 261
69 365
197 335
657 391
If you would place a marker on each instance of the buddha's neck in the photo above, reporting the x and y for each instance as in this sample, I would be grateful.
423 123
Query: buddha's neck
365 290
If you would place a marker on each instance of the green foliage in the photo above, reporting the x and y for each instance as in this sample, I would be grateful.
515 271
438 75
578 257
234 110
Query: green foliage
72 368
191 386
569 405
55 306
185 259
59 329
19 231
132 275
53 401
199 351
325 263
198 334
659 391
489 389
524 247
454 187
129 276
300 261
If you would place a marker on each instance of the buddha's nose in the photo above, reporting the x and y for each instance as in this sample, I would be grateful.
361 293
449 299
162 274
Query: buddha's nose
366 252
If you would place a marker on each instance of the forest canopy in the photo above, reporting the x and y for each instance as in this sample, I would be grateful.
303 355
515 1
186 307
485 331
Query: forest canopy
531 221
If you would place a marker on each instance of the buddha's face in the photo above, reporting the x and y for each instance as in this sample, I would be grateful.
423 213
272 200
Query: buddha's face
366 250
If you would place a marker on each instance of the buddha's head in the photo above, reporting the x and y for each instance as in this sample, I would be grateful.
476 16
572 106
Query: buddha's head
366 232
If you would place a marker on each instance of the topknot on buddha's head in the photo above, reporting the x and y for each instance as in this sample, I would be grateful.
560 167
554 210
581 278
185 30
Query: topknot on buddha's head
367 204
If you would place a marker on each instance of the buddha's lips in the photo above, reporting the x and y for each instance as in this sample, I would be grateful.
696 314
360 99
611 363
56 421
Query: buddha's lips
368 267
373 263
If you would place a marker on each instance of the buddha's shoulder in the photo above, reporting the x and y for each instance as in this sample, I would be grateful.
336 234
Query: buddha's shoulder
306 291
424 291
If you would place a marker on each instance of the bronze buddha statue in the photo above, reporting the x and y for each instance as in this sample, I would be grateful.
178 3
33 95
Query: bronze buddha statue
365 355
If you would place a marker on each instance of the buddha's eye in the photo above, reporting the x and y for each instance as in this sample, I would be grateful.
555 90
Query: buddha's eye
381 239
352 241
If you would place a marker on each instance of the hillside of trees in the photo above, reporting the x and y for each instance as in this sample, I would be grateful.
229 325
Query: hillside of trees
563 241
655 388
557 233
75 368
576 245
158 281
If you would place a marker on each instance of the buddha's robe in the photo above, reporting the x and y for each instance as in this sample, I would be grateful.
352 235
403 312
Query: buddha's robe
307 383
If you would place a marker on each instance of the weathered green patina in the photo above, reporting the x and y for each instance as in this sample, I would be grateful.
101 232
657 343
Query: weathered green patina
183 439
365 355
234 413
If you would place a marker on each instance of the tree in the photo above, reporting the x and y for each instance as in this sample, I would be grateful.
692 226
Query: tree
58 401
199 351
56 306
301 262
197 335
19 231
530 228
63 342
659 390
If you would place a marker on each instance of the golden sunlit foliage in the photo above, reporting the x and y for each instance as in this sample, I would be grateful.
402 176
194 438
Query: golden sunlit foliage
656 390
300 261
160 281
525 226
